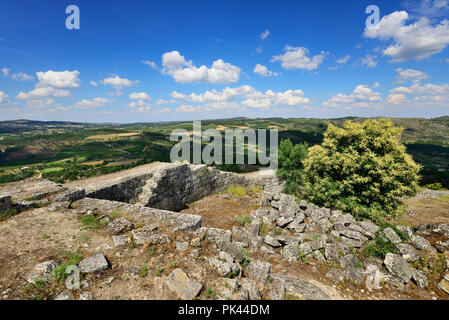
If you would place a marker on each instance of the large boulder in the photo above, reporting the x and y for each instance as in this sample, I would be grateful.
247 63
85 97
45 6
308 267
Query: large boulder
94 264
258 270
398 267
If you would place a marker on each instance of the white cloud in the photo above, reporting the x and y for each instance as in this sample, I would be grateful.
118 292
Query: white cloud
397 98
376 85
370 61
183 71
21 76
151 64
93 83
139 96
410 75
296 58
118 83
3 97
265 34
88 104
6 71
248 96
425 94
412 42
44 92
263 71
362 96
58 79
343 60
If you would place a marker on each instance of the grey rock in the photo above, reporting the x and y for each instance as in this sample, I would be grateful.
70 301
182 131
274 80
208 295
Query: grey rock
351 234
405 230
298 225
118 226
331 252
442 246
240 235
301 288
282 221
345 219
119 241
420 278
335 275
254 229
149 237
398 267
349 261
369 226
272 241
219 235
94 264
392 236
86 296
407 252
276 289
354 243
267 250
71 195
43 271
251 287
305 249
318 244
291 252
420 243
66 295
324 225
182 285
258 270
182 246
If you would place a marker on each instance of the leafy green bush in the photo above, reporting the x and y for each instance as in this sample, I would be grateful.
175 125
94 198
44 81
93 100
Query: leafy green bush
361 169
291 168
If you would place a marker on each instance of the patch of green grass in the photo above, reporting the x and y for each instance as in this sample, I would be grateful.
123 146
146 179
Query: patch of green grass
243 220
90 222
246 258
210 293
143 271
8 213
380 248
159 272
236 191
70 259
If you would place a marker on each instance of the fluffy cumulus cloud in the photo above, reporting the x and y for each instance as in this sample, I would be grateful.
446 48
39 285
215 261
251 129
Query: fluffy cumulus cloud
93 83
89 104
182 71
410 75
297 58
19 76
414 41
241 97
3 97
421 94
44 92
139 96
118 83
52 84
362 96
58 79
263 71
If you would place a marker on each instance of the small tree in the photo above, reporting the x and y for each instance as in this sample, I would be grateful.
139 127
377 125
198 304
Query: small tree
291 168
362 169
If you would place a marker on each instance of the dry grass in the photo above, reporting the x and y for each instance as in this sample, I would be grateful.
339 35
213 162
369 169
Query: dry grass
426 211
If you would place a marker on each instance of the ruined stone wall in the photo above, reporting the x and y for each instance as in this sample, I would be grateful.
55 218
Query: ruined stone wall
178 186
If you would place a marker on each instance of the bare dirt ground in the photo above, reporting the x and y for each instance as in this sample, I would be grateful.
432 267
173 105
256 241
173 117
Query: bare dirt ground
427 211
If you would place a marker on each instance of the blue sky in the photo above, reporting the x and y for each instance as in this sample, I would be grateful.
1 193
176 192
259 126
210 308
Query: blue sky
182 60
